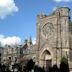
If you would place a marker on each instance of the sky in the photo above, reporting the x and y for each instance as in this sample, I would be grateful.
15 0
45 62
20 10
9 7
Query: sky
18 18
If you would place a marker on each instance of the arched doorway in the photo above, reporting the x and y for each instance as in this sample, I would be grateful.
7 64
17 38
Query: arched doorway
46 59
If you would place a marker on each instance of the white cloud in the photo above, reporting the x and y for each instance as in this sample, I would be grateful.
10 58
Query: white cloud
55 8
62 0
34 40
13 40
7 7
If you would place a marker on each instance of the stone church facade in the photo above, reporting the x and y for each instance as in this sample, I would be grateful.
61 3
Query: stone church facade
53 40
54 37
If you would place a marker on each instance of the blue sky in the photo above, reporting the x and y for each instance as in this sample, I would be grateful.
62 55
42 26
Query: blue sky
23 22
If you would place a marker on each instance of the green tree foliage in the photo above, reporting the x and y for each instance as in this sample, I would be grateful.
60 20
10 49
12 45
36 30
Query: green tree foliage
55 68
64 66
29 66
65 60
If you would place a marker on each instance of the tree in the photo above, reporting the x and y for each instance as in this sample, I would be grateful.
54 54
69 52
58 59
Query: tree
38 69
55 68
64 66
29 66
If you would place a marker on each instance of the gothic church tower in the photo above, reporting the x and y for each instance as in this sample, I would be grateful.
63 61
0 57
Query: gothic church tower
52 37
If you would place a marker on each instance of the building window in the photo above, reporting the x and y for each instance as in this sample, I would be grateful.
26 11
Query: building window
9 58
15 59
0 54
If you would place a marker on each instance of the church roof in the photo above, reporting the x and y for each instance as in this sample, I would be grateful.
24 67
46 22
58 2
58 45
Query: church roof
25 46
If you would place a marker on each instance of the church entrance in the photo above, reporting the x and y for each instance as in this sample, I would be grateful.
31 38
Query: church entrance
47 60
48 64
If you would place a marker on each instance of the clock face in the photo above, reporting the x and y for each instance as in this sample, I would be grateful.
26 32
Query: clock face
48 30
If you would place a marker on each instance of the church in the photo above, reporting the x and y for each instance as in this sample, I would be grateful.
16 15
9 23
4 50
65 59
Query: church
53 40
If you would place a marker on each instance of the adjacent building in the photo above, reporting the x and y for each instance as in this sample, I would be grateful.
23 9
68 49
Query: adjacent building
9 54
